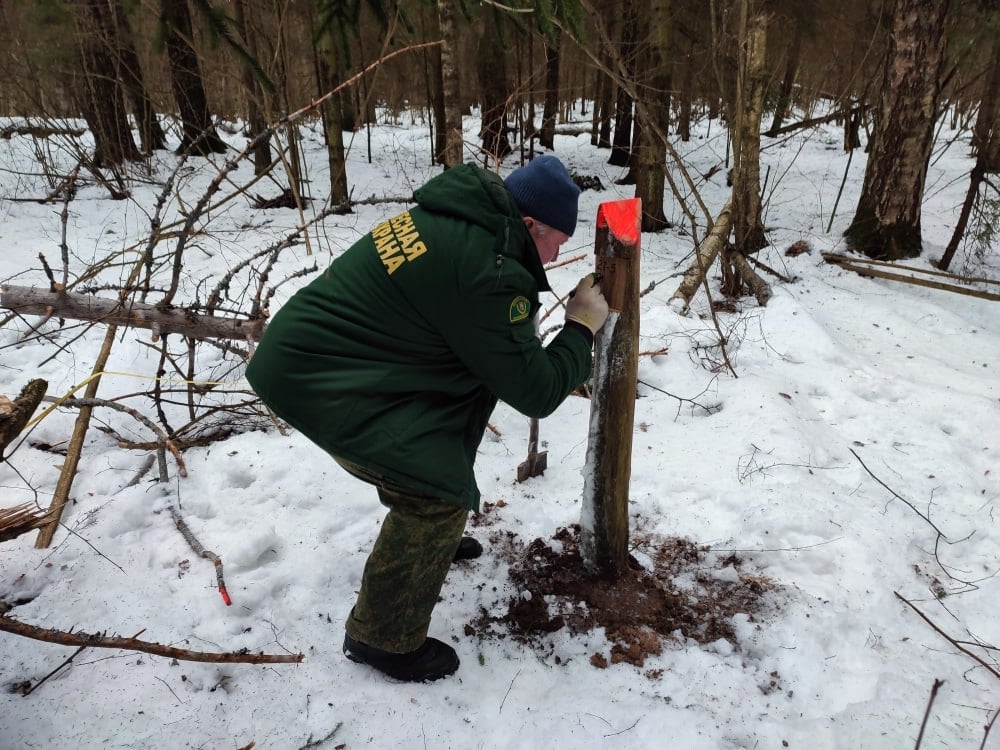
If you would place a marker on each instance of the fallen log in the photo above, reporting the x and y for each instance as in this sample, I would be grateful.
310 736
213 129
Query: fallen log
867 267
704 257
26 300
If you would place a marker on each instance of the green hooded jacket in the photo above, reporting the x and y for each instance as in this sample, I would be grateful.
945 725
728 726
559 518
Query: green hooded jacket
395 356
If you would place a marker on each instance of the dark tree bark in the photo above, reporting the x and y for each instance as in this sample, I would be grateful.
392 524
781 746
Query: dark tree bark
550 109
654 114
986 133
686 93
437 103
748 227
151 134
491 67
329 71
198 132
454 141
101 98
986 145
784 102
255 94
621 148
886 223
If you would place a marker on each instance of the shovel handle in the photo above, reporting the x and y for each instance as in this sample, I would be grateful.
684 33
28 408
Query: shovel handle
533 436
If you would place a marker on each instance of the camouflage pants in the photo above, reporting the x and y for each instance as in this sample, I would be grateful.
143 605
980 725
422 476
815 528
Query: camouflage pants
406 568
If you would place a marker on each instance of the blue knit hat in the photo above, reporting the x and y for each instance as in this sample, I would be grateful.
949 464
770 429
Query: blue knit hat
544 190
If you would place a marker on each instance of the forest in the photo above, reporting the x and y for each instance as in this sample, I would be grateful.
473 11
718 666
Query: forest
638 70
183 165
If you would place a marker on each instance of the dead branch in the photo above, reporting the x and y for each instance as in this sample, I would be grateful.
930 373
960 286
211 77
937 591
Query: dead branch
764 267
813 121
99 640
38 131
68 471
989 668
33 301
836 259
761 289
869 268
20 520
566 262
202 552
988 728
927 712
899 497
69 660
163 443
14 415
704 257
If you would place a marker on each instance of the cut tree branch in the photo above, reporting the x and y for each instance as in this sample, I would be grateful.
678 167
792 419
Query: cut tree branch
704 257
99 640
33 301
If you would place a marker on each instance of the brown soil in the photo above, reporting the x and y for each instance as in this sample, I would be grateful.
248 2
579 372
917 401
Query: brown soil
639 611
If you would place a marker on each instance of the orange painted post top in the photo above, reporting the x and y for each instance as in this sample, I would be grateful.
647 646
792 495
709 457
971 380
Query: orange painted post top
618 230
622 219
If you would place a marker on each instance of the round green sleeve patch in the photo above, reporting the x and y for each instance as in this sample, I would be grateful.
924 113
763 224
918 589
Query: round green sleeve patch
520 308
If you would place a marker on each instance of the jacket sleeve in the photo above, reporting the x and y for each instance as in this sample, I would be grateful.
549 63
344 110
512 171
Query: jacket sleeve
488 325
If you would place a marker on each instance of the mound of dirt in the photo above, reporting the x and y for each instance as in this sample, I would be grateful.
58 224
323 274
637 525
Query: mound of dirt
683 595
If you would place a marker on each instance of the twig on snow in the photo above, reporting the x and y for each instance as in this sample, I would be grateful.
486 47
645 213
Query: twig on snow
927 712
989 727
991 669
202 552
316 743
509 688
898 496
38 684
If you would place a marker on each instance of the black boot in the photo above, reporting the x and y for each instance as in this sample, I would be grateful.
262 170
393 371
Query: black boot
468 549
432 661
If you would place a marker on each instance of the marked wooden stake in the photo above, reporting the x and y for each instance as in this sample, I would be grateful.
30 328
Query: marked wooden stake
604 517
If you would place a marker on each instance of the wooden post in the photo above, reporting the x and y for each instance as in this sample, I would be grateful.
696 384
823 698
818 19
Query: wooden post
604 516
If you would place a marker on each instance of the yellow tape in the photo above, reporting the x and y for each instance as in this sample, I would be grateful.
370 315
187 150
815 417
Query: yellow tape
93 376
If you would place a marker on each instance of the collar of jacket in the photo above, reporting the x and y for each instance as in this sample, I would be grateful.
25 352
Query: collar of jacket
478 196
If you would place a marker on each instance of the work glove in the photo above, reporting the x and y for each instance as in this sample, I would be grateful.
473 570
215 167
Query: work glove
587 305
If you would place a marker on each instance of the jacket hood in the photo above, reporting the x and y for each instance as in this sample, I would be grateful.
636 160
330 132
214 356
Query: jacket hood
479 197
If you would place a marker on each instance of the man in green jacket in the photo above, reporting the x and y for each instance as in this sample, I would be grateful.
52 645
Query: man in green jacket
393 359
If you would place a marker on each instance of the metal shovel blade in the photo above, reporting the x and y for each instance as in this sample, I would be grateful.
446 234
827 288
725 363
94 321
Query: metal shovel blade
536 462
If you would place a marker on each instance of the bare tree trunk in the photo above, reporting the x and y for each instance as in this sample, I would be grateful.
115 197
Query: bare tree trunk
101 97
329 72
491 67
547 135
255 95
654 115
748 227
886 223
686 93
986 133
787 82
454 140
603 106
198 132
151 135
622 144
986 144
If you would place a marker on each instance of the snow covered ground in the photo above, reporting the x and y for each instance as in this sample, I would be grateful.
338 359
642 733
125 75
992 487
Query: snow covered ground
837 373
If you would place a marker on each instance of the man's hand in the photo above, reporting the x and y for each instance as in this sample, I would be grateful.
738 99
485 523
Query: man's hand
587 305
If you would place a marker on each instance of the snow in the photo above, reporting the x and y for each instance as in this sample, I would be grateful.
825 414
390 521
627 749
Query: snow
837 370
